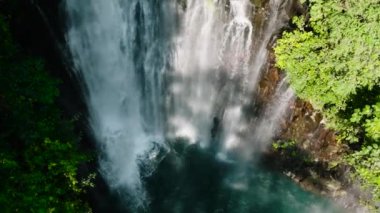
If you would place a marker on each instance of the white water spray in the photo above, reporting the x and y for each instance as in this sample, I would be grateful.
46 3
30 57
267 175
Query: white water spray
119 55
141 91
211 67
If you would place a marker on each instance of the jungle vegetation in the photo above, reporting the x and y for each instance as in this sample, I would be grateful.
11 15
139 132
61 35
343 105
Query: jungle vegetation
332 59
39 150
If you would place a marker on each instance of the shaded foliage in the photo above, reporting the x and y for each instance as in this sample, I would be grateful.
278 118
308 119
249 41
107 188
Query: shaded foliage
39 153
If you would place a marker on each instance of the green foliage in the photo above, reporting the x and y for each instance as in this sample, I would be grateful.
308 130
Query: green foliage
337 60
290 151
332 59
367 167
39 153
282 145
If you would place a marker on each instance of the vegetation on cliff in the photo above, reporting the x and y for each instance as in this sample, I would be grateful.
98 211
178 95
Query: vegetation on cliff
332 58
39 153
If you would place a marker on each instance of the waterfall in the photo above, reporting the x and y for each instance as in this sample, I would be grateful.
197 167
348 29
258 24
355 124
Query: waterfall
217 68
120 52
211 66
155 71
269 123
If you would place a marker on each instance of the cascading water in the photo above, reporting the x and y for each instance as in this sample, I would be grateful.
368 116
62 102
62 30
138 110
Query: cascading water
213 52
215 70
119 50
269 122
150 79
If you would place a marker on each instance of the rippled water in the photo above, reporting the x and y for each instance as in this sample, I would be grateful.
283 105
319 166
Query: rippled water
191 179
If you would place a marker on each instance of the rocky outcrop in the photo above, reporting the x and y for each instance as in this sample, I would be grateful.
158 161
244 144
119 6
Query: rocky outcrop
307 151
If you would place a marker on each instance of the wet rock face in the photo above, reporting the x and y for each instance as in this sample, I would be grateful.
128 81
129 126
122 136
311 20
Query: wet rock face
308 152
307 127
267 85
304 125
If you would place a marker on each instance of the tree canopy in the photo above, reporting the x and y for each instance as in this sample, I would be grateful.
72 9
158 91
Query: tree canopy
332 59
39 153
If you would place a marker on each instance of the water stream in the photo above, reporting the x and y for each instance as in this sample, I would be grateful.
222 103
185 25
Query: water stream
163 74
